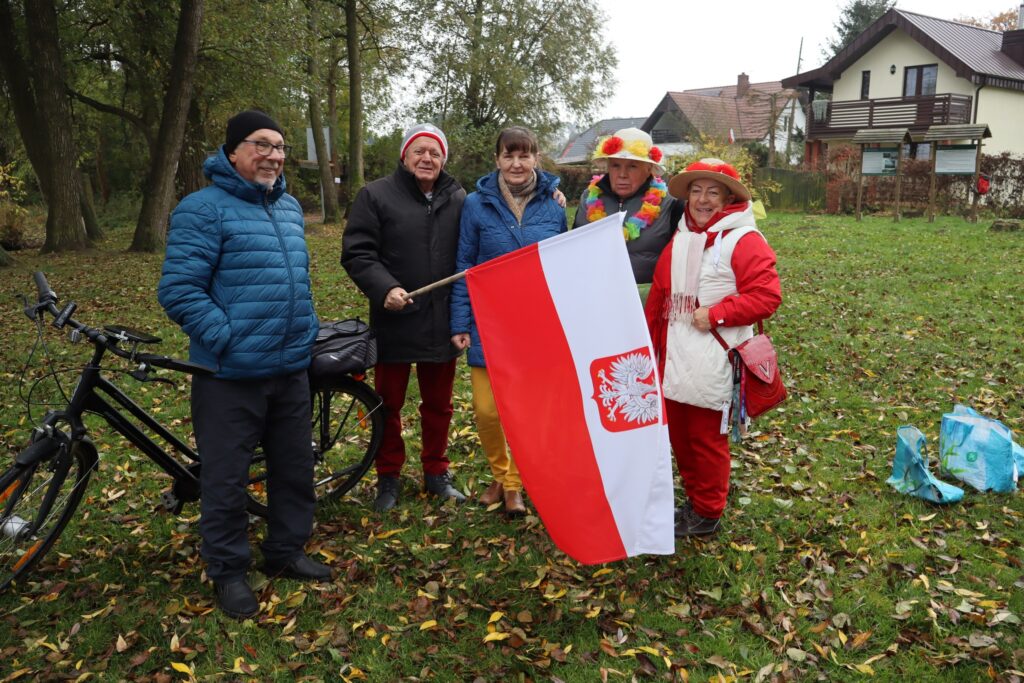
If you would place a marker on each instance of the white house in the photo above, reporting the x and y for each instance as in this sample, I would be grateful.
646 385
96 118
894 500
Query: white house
912 71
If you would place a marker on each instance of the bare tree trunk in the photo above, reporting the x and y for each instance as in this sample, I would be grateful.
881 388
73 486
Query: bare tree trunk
102 180
356 179
332 115
193 153
92 226
151 228
316 121
474 106
21 95
63 219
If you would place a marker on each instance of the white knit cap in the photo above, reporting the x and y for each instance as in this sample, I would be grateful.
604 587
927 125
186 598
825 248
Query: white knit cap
427 130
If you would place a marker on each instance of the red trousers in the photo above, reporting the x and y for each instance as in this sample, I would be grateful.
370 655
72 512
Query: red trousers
436 380
702 454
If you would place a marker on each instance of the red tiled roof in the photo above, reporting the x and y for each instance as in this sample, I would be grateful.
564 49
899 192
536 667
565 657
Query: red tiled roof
713 111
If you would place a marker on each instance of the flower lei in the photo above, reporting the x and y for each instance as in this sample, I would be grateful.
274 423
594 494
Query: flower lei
649 211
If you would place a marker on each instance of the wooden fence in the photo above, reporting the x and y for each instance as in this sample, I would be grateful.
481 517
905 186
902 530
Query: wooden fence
800 190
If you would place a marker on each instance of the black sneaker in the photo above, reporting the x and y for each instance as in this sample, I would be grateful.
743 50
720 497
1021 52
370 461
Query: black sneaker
388 489
236 599
441 485
689 523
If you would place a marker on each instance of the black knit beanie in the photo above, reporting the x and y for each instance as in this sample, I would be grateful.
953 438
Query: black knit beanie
242 124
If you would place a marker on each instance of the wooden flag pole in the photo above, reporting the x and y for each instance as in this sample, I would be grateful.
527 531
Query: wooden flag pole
434 285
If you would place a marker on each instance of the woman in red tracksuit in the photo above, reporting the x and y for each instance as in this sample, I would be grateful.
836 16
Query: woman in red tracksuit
718 273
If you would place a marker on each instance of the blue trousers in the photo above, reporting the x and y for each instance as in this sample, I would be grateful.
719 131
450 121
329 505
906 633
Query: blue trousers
230 418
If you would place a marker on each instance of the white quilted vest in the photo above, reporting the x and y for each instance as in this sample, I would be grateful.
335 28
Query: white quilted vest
697 369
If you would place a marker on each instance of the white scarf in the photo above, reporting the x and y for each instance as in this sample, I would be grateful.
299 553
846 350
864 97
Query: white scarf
687 257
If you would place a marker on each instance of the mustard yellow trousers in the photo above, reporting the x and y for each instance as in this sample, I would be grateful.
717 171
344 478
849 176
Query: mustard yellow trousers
492 436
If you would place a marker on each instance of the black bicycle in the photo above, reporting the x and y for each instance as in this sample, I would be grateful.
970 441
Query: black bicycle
41 490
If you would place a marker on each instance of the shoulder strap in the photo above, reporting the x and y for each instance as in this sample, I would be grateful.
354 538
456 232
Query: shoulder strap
714 332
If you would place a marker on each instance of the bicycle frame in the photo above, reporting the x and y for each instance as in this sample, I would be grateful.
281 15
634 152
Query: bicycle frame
91 395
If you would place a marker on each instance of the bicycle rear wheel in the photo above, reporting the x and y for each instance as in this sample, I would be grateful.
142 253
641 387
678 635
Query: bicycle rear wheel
348 427
36 502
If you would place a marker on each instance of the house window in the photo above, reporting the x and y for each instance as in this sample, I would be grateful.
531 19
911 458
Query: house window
920 80
865 84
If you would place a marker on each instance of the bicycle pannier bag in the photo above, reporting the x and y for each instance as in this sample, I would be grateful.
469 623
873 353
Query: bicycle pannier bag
342 347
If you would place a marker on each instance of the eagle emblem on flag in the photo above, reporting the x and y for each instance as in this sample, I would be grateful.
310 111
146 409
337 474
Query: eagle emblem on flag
625 390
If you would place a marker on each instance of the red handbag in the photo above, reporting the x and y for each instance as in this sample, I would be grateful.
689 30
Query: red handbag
757 380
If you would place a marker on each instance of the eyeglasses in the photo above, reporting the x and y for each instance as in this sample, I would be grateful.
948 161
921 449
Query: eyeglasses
265 148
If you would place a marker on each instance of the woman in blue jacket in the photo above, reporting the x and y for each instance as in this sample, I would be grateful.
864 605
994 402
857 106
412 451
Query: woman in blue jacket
513 207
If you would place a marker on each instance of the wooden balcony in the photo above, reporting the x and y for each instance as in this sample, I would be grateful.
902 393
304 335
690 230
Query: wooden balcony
830 120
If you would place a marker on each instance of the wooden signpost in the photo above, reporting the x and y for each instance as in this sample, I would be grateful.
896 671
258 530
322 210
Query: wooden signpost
885 158
956 159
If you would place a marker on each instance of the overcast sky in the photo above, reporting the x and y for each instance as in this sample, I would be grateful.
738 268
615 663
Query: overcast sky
667 45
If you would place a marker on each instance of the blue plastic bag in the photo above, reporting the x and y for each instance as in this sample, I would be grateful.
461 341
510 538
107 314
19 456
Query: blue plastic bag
910 470
979 451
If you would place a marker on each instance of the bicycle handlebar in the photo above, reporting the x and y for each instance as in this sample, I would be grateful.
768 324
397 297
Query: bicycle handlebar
43 287
48 302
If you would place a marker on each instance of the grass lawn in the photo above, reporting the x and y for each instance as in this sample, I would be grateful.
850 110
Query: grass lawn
821 571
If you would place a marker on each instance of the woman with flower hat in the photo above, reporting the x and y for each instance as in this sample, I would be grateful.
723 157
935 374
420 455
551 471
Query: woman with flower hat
716 277
632 183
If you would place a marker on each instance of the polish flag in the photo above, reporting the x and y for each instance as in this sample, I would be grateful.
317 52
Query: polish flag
572 369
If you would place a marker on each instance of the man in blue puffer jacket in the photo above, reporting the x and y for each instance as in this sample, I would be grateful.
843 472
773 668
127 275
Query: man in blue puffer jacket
236 278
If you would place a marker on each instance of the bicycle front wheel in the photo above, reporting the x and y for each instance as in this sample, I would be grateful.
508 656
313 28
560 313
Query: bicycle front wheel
348 427
36 502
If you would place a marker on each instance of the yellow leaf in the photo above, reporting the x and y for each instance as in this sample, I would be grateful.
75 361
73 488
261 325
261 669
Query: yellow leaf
183 668
745 548
649 650
865 669
175 644
495 616
121 645
842 637
295 599
428 624
593 612
388 533
327 555
497 635
602 571
860 639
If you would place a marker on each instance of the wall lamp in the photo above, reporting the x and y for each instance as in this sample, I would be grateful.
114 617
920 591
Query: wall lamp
892 69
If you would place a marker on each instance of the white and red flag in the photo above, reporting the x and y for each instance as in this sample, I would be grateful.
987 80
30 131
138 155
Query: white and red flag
575 382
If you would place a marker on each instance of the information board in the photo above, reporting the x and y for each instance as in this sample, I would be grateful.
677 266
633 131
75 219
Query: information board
955 159
879 160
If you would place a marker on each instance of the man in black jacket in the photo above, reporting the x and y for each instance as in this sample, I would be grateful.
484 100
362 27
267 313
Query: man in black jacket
402 234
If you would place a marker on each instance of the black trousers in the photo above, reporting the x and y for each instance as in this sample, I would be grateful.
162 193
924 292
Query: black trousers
230 418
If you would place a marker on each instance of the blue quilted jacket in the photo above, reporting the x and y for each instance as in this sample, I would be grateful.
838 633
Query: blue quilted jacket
236 276
489 229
